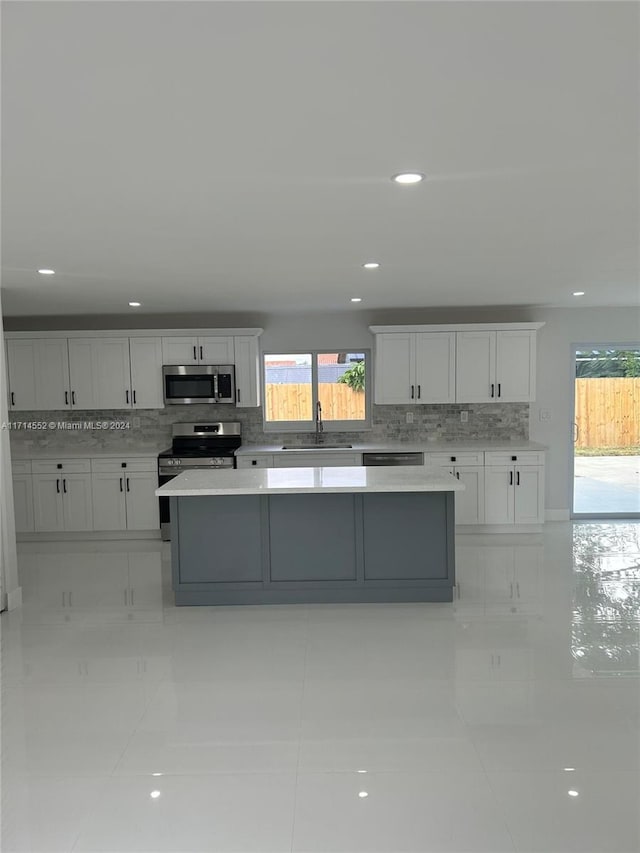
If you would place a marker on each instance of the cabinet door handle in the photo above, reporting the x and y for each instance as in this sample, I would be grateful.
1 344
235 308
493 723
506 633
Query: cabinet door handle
195 357
73 398
511 478
518 478
201 355
64 485
13 398
121 489
127 395
412 391
511 591
492 389
66 398
128 489
134 398
238 395
419 392
499 389
58 486
458 474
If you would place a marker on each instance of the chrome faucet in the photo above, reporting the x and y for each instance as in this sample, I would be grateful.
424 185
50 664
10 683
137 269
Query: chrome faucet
319 424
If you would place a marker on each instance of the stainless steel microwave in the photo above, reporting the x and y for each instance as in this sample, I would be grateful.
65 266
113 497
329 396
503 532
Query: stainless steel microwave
202 383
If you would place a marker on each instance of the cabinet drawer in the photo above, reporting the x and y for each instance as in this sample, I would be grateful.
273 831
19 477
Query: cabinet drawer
254 461
454 458
133 464
20 466
515 457
69 466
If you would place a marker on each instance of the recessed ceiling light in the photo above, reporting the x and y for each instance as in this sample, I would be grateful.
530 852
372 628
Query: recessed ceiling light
47 272
371 265
573 793
578 292
135 304
356 299
408 178
363 794
154 795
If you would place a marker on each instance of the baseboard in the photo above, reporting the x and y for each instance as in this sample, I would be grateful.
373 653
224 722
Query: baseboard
557 515
87 535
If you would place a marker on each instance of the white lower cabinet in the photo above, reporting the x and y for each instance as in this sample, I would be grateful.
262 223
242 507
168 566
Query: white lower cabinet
468 467
124 494
62 495
514 488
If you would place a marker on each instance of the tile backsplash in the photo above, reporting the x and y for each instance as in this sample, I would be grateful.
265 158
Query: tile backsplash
436 422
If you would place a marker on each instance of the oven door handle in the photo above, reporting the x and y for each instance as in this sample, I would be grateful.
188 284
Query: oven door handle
215 386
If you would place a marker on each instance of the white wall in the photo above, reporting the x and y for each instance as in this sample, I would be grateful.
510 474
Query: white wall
8 557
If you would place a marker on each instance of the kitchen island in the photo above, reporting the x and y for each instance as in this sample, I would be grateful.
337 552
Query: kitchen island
295 535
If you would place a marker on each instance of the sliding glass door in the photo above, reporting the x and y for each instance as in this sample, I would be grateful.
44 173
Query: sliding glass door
606 431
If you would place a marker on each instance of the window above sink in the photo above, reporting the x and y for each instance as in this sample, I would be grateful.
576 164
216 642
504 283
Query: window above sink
295 383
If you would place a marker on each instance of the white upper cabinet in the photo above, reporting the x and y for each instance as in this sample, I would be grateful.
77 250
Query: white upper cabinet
52 358
394 368
112 372
21 362
496 367
180 350
435 359
146 373
100 373
81 384
38 374
476 367
415 367
474 363
214 349
247 371
515 366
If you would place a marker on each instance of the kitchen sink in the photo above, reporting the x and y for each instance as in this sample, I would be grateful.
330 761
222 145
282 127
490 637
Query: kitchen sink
317 447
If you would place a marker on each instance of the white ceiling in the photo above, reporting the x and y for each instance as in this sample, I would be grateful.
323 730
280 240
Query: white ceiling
226 156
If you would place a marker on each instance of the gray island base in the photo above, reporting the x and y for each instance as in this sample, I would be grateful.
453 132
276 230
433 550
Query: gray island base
375 540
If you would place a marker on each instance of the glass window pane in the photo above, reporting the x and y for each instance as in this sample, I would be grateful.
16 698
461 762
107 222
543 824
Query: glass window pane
288 394
341 386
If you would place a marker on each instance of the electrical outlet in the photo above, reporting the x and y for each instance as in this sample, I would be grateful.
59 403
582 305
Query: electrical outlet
136 423
464 417
409 417
545 414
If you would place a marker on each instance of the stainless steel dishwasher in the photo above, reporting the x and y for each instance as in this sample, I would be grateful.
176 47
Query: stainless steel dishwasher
393 458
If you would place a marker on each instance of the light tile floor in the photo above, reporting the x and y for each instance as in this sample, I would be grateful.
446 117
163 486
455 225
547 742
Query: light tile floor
507 721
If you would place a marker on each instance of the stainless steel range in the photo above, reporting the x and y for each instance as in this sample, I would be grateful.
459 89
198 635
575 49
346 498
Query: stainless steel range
196 445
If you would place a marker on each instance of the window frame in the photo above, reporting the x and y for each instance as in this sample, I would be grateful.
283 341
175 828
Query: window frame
310 426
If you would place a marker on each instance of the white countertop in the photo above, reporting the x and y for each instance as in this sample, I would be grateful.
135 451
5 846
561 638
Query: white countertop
325 480
394 447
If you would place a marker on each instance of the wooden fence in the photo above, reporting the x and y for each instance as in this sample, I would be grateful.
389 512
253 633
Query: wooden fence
293 402
608 412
